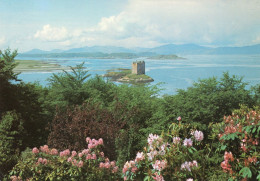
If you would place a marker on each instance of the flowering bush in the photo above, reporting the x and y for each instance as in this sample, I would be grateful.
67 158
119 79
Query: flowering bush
167 157
49 164
239 136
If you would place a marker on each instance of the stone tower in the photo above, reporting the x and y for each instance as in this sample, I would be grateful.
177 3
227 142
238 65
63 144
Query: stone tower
138 67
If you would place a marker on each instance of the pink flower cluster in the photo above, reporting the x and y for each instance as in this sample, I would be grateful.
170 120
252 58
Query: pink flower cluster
15 178
45 149
35 150
189 165
139 156
153 138
187 142
109 165
228 156
156 146
130 166
54 151
92 143
159 165
91 156
65 153
42 161
74 162
158 177
176 140
198 135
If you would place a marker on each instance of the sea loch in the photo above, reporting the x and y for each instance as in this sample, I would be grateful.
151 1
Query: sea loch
174 74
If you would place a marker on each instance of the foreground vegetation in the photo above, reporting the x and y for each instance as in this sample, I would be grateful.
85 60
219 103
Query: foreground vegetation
117 120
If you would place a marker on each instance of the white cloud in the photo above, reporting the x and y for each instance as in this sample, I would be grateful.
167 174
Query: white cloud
49 33
205 22
150 23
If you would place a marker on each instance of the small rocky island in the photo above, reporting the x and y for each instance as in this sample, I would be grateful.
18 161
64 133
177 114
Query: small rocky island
136 75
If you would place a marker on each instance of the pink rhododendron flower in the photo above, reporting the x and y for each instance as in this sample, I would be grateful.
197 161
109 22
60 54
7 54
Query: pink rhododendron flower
80 164
88 139
94 143
113 163
39 160
194 163
100 141
54 151
159 165
35 150
44 149
73 153
228 156
69 159
80 155
226 166
88 157
158 177
139 156
115 169
107 165
129 165
44 161
189 165
85 151
187 142
152 154
15 178
65 153
179 118
94 157
101 165
176 140
198 135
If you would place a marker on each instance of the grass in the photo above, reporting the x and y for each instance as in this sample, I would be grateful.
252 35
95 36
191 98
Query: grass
134 76
117 74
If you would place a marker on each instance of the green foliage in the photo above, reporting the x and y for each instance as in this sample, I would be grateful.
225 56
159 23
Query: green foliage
7 64
68 88
209 99
11 132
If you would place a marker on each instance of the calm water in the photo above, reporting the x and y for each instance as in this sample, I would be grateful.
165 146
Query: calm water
175 74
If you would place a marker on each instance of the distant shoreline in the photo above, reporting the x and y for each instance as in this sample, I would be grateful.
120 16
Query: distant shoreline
98 55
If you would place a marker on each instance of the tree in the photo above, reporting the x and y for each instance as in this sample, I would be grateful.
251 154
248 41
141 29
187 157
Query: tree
11 131
7 75
209 99
68 88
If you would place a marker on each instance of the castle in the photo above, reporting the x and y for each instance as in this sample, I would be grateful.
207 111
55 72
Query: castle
138 67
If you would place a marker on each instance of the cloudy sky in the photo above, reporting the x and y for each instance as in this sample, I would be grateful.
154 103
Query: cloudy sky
64 24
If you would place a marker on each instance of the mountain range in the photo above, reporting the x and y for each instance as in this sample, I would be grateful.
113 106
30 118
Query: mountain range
184 49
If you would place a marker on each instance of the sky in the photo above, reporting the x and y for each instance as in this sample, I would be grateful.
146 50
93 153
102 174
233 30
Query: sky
65 24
